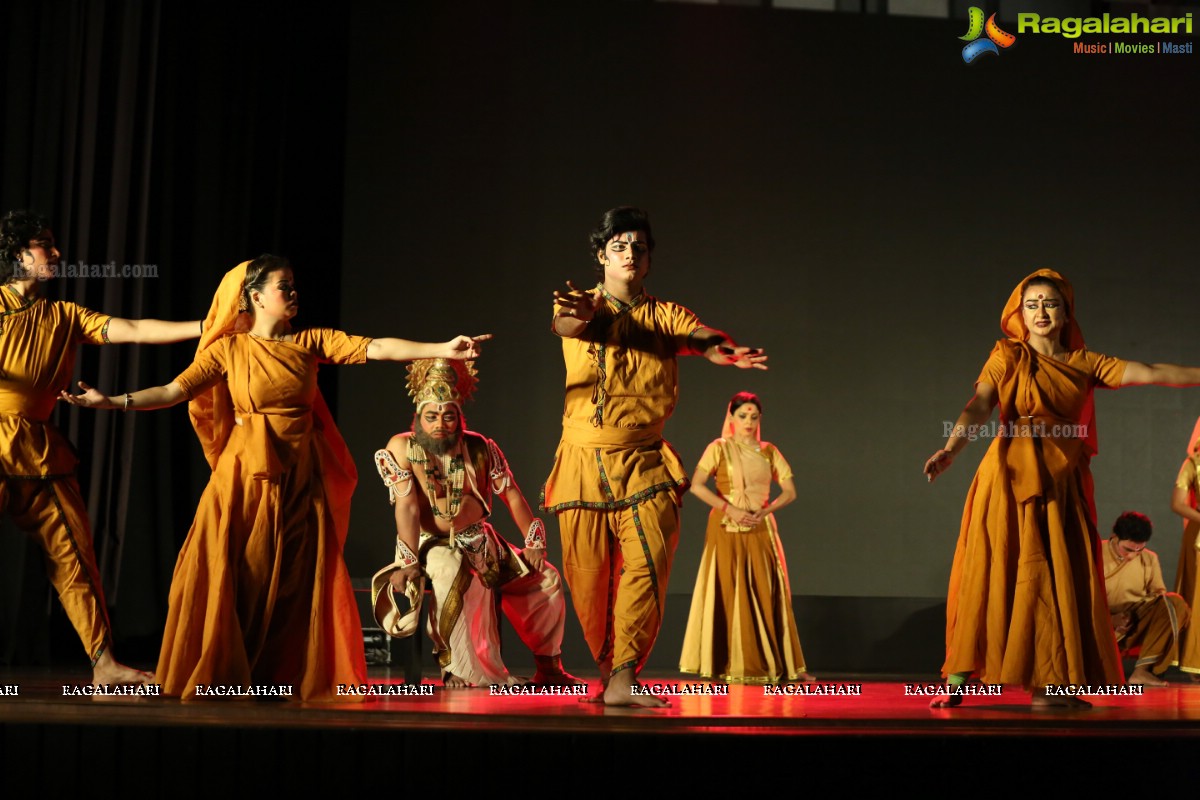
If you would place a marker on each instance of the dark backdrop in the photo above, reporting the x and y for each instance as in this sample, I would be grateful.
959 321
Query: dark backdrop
185 136
840 189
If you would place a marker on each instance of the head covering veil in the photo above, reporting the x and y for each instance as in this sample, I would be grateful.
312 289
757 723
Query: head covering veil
727 428
1194 443
1012 322
735 457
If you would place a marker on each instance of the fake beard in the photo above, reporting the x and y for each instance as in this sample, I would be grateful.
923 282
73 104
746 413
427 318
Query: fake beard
437 447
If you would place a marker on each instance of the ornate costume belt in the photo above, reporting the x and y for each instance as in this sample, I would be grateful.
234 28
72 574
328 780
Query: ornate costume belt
480 546
472 538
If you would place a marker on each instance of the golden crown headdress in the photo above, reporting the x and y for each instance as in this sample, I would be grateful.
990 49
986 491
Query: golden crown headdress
441 380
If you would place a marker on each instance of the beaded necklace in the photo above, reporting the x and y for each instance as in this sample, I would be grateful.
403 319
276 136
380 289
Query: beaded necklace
453 473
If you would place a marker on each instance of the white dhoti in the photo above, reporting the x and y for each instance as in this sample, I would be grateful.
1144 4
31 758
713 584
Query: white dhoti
463 623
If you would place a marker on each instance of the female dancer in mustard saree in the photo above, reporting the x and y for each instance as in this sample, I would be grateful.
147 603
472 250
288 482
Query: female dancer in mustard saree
741 628
1026 603
260 595
1184 502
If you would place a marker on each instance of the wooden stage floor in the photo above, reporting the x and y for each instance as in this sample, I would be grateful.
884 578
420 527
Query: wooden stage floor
868 737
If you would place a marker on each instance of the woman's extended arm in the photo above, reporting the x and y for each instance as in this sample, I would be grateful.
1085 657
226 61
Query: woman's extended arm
142 400
976 413
460 347
1139 374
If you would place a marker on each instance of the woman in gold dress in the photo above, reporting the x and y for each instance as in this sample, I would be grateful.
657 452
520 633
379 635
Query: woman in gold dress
741 628
1184 502
261 596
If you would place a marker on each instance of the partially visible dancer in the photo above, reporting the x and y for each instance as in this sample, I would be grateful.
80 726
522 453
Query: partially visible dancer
441 478
1146 617
741 628
1026 600
1185 500
616 484
39 340
261 596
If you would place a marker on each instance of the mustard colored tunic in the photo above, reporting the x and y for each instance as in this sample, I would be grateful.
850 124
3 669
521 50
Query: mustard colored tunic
741 628
1026 603
38 345
261 594
622 384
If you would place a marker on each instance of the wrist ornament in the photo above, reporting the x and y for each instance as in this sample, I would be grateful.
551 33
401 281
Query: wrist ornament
405 557
535 537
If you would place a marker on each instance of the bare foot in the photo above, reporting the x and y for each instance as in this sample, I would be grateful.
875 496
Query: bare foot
596 697
551 673
1144 677
1043 700
109 672
947 700
452 681
620 693
806 677
1193 676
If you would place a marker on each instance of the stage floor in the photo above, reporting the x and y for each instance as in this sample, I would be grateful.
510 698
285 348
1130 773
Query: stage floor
870 734
841 705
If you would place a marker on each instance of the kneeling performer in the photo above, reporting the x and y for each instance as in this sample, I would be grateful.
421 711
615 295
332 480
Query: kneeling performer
438 479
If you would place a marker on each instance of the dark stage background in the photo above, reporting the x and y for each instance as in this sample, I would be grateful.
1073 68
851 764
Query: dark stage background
188 137
837 188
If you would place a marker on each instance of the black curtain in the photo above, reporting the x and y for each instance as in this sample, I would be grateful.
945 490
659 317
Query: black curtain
179 139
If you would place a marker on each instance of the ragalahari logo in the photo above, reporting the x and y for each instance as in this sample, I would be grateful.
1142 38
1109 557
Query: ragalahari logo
996 38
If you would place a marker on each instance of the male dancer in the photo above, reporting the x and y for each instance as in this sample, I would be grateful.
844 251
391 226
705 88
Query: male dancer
39 339
1145 615
616 484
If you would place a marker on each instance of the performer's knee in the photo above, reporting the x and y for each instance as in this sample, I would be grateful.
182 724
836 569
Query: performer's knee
1182 612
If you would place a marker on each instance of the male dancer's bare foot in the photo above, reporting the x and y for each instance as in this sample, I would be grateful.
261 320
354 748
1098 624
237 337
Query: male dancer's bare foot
109 672
1043 700
1144 677
620 693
